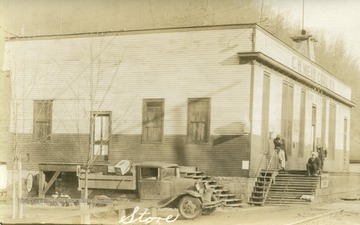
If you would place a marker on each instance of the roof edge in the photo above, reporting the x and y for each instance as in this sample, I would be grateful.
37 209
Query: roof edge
262 58
145 30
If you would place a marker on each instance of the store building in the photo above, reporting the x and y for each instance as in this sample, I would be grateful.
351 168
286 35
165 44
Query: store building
212 97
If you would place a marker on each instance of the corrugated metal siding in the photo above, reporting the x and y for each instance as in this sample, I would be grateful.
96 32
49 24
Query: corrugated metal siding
125 69
287 56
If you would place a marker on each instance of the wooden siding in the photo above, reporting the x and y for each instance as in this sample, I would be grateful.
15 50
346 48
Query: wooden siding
269 45
312 98
115 73
127 68
222 157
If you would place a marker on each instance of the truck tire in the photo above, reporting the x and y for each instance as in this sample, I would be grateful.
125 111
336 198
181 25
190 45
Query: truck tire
97 205
189 207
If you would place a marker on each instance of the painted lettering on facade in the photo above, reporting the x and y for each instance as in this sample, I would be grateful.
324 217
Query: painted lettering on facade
313 73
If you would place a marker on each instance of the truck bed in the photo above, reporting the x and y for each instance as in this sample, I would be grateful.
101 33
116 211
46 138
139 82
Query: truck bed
109 181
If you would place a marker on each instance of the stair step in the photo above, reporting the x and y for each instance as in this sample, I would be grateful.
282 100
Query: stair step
291 188
191 172
257 197
295 180
197 176
235 200
216 186
285 194
256 203
225 195
233 205
294 184
287 203
262 182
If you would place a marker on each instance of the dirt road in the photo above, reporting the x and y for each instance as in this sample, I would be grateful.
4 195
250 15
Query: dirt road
287 215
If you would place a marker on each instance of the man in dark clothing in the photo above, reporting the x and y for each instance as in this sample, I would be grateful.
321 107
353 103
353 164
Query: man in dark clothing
322 153
313 165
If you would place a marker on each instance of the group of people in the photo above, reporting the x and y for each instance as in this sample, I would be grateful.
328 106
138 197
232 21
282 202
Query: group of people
315 163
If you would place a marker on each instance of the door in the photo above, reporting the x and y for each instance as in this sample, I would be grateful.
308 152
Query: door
345 144
287 116
150 185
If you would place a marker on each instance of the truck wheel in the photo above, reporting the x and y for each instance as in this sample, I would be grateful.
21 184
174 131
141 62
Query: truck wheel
189 207
97 203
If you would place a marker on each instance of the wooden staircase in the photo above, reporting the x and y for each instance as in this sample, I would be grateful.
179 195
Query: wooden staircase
228 199
263 183
283 187
289 186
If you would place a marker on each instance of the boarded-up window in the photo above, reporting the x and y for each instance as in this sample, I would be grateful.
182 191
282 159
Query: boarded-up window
153 120
332 131
198 120
101 133
42 120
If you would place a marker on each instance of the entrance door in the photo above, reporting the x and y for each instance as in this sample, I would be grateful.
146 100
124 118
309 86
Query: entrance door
287 116
313 128
345 144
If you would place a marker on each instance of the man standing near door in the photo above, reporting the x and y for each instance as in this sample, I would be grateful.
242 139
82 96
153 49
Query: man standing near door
279 148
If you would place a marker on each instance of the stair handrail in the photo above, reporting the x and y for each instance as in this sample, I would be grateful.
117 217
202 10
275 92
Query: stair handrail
259 168
263 156
272 178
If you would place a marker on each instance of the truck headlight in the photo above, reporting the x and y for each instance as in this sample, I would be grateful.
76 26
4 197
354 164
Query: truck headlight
199 188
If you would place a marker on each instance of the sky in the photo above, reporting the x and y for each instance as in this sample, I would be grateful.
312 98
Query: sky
333 17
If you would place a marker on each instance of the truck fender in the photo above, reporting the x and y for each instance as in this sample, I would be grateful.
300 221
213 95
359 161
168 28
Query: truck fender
168 202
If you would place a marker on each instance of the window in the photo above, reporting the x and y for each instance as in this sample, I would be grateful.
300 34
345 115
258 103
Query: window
42 120
101 133
153 120
198 120
150 173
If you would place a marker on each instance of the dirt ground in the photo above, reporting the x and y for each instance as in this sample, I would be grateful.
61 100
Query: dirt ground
287 215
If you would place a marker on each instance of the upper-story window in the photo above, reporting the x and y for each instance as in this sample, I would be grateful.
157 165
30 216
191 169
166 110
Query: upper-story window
153 120
42 120
198 120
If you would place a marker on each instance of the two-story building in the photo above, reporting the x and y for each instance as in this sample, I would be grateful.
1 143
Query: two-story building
212 97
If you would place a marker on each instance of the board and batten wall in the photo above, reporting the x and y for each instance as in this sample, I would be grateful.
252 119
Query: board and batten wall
118 71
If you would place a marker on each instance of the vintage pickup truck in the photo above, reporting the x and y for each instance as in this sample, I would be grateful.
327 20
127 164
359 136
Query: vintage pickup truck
159 182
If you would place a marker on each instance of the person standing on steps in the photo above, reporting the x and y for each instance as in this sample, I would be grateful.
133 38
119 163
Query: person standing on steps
279 147
322 153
